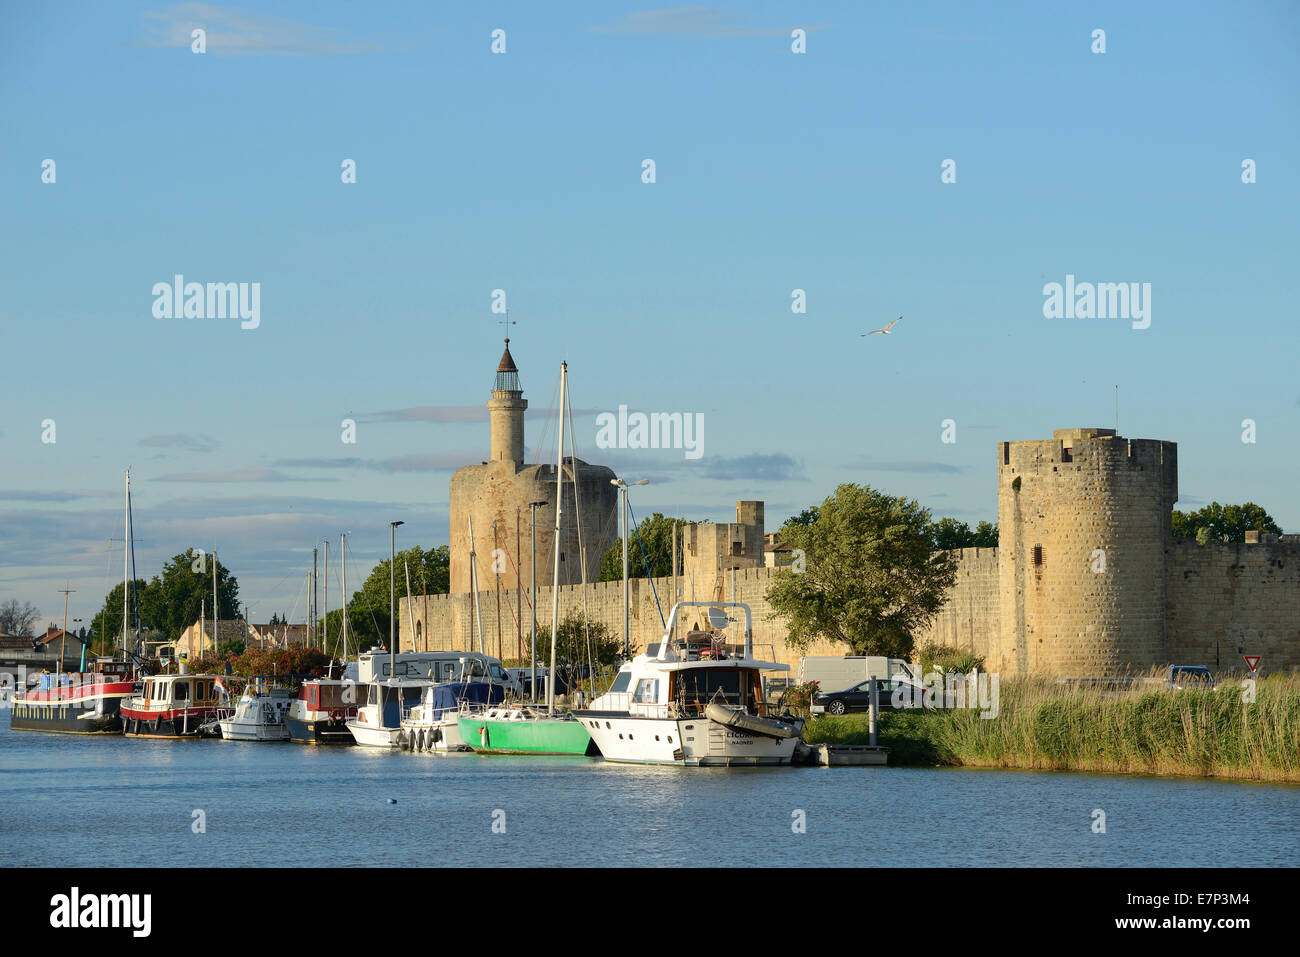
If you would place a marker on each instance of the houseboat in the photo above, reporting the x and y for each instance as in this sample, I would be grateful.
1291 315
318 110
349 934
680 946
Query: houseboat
176 706
76 702
695 702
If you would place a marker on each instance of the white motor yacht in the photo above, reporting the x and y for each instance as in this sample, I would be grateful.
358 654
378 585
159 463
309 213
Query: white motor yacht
695 702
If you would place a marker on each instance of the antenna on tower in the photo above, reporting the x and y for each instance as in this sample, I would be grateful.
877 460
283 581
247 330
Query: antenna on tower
506 323
1117 410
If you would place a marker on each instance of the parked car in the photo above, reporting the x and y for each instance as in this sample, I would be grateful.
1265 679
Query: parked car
858 697
1190 676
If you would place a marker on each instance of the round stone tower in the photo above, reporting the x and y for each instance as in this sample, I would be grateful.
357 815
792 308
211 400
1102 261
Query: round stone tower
1084 521
498 492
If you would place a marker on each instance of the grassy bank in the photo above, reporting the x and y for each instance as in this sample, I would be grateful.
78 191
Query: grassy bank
1044 725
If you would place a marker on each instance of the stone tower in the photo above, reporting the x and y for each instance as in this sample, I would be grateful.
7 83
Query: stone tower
499 490
1084 525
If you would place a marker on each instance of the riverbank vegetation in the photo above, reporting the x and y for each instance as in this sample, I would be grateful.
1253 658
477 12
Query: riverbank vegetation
1044 725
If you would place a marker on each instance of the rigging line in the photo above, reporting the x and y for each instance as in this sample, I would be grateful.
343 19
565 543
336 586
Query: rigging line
539 449
646 560
577 511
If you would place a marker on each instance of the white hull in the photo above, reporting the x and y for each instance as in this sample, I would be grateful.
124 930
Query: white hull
369 736
689 742
248 731
441 735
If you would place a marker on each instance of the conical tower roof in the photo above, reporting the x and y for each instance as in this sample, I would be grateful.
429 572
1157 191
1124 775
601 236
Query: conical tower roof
507 379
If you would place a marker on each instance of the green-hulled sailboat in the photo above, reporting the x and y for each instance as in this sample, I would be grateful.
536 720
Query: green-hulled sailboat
531 729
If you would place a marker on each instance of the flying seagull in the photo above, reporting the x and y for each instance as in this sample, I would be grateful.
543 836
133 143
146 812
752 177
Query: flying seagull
884 332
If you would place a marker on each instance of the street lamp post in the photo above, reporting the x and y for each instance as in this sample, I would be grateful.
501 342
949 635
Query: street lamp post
627 598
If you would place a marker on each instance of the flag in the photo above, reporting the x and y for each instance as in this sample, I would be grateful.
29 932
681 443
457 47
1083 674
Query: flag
221 687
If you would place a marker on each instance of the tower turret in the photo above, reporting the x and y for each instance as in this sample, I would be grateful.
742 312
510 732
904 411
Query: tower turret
1083 520
506 411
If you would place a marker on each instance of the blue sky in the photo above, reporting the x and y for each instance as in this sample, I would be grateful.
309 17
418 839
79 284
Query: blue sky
522 171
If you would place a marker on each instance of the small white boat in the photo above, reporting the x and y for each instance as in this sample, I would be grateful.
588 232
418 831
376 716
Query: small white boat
378 723
259 715
696 702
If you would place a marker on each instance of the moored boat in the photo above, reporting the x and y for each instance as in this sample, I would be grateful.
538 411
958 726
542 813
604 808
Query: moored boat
520 729
175 706
378 722
75 703
695 703
320 713
434 724
259 714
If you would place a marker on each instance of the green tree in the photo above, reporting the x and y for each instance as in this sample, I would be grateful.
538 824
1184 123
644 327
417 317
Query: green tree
805 518
872 579
950 533
572 646
1223 522
368 608
172 601
106 626
656 534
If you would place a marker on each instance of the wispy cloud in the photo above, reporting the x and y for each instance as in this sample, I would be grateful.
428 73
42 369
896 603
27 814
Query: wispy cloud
42 496
233 475
427 462
695 22
777 467
234 32
342 463
181 440
431 413
875 465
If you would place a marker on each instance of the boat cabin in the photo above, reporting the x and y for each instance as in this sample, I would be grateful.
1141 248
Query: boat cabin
650 688
331 697
169 692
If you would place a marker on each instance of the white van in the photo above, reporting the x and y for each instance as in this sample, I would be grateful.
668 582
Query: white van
840 673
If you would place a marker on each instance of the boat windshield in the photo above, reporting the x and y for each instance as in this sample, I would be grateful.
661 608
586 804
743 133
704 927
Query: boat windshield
697 687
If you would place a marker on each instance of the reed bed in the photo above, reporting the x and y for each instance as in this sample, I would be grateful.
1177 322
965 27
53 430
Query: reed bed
1145 729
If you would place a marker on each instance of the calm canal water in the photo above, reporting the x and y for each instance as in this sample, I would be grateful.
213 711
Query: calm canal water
71 801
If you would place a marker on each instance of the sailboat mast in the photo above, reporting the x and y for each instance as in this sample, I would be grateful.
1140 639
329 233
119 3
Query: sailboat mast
559 508
216 611
473 584
126 564
343 548
325 619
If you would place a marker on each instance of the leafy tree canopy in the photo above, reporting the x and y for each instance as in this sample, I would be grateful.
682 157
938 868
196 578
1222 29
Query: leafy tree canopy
368 608
573 639
872 578
170 602
1219 523
950 533
656 535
